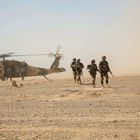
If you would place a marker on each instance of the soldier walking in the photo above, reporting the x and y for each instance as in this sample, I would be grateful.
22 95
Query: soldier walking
73 66
104 69
79 71
93 71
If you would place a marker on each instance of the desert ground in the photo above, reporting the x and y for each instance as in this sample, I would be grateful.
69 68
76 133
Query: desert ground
59 109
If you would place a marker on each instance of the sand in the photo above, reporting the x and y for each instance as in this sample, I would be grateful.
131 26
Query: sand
57 109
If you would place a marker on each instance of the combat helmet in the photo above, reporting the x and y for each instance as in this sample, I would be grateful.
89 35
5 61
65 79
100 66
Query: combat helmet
104 57
92 61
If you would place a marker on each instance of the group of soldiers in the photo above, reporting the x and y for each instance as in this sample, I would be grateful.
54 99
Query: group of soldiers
77 68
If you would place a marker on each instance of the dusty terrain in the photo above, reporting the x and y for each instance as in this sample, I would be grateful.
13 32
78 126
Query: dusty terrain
57 109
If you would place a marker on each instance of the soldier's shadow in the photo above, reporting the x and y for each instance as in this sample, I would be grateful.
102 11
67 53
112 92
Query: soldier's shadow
118 87
87 83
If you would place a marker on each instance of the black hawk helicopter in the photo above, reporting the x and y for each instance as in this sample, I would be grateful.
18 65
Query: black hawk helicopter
13 68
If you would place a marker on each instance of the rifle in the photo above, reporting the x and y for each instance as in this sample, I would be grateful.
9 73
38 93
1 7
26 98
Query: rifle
111 74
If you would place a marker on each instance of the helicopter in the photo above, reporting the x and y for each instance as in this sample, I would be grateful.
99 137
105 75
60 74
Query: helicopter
13 68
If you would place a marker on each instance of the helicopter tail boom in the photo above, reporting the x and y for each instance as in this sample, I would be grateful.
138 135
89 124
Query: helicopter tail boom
37 71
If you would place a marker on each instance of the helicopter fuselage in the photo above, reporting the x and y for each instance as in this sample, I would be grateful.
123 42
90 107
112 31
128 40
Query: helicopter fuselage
13 68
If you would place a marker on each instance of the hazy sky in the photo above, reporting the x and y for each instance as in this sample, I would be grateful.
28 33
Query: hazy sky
85 29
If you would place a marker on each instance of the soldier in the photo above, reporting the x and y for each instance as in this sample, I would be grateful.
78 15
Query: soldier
93 71
104 69
73 66
79 71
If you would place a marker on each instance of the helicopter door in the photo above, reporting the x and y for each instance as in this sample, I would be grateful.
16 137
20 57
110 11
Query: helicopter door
1 71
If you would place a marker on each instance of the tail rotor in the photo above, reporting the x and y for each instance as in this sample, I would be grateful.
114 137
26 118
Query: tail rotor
57 54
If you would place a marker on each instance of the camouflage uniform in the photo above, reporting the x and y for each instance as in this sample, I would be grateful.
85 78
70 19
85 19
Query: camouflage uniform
93 71
73 66
104 69
79 71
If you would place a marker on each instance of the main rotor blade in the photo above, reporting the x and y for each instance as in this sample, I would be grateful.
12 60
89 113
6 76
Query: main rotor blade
27 55
4 55
10 53
58 49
